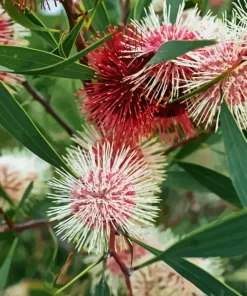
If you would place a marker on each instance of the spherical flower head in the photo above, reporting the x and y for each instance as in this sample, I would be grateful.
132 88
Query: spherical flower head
111 191
163 81
11 34
110 101
150 150
173 123
227 59
18 168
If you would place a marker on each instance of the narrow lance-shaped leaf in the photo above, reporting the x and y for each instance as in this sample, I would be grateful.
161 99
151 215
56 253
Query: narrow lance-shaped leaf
27 60
214 181
69 41
173 6
175 48
24 198
140 7
5 268
102 288
236 152
5 196
31 21
17 122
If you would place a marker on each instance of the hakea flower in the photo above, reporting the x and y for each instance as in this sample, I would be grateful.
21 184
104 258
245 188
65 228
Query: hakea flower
229 60
157 279
112 191
110 101
151 151
173 123
18 168
11 34
163 81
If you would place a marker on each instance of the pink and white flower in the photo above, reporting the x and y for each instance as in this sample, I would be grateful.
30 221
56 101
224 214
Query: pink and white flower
18 168
112 191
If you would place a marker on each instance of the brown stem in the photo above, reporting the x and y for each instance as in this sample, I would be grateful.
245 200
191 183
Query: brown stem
37 96
186 141
31 224
118 260
9 223
126 10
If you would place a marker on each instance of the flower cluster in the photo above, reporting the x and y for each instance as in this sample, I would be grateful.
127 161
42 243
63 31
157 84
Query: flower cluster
157 279
136 98
11 34
18 168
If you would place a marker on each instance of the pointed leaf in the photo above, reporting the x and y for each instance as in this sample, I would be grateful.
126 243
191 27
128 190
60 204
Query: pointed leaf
173 49
140 7
214 181
5 268
102 289
236 151
5 196
17 122
24 197
173 6
31 21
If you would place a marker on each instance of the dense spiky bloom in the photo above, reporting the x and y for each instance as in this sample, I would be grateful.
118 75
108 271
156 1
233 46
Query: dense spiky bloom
163 81
229 60
11 34
112 191
151 151
18 168
110 101
173 123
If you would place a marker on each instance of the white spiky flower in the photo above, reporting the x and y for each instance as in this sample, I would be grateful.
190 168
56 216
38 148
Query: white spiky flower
226 59
18 168
163 81
112 191
151 150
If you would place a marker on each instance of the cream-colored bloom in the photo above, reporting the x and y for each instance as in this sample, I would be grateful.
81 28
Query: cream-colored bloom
18 168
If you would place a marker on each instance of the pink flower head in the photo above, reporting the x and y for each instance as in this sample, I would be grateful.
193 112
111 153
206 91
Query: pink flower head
110 101
111 191
163 81
151 151
11 34
227 59
173 123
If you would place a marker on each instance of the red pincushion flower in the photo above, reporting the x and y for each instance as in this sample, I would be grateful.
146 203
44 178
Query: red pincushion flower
111 102
32 4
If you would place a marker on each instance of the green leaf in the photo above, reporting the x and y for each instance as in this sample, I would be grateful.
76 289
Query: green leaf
101 18
173 5
139 9
182 180
214 181
102 288
175 48
5 196
200 278
213 240
17 122
27 60
66 62
236 150
85 271
5 268
31 21
24 197
69 41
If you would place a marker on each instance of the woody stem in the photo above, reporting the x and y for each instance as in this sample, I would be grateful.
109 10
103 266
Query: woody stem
118 260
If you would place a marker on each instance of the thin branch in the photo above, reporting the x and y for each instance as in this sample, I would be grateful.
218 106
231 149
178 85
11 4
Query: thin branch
19 227
118 260
9 223
37 96
126 10
186 141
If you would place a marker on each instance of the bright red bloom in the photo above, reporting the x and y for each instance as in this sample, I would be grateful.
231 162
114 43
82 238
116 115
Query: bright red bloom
111 102
32 4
